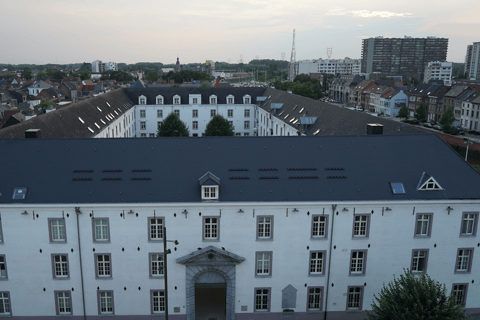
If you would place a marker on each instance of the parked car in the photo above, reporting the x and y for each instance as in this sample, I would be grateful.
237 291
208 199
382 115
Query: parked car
438 127
459 128
428 125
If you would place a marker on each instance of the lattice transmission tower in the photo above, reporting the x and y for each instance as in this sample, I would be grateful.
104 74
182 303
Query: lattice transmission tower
291 71
329 52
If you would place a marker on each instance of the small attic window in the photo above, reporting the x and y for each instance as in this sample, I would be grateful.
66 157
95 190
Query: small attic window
397 188
210 193
430 184
210 186
19 193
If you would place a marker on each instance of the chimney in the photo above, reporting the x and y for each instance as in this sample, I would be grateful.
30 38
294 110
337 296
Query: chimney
217 83
32 134
374 128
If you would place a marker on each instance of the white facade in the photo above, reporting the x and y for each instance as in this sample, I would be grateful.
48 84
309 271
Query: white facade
472 61
275 124
111 66
98 66
329 66
436 70
118 127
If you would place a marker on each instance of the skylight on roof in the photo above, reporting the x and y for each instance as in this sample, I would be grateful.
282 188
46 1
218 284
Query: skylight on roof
295 107
115 112
286 116
19 193
99 109
292 119
81 120
281 113
103 121
108 104
301 110
397 187
90 130
316 132
96 125
295 122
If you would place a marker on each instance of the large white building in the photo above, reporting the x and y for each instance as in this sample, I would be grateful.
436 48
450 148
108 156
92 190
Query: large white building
437 70
328 66
310 224
100 67
472 61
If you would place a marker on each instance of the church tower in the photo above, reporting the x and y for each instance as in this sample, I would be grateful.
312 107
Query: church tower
177 66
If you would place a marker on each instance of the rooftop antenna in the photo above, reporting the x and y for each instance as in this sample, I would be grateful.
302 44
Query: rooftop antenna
329 52
291 71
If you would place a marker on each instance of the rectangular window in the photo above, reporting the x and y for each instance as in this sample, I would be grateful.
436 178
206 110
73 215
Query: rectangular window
213 100
210 193
143 100
246 134
155 228
159 113
105 302
60 266
195 125
354 298
464 260
177 112
230 100
213 113
3 267
247 125
419 260
263 263
361 226
247 113
469 224
358 262
247 100
176 100
5 304
57 230
211 228
423 226
194 113
157 301
159 100
143 125
319 226
143 135
142 113
63 303
459 291
156 264
317 263
101 230
103 265
159 123
315 299
195 100
262 299
238 134
230 113
265 227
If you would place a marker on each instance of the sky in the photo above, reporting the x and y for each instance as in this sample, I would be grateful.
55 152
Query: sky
73 31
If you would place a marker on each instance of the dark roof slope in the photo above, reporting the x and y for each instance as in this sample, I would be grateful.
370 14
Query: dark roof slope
256 169
332 120
65 123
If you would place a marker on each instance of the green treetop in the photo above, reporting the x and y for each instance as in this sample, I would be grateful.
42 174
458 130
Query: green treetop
172 126
219 126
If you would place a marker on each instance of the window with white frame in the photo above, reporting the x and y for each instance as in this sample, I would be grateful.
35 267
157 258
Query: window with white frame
143 125
354 301
194 113
156 264
419 260
319 226
464 260
159 100
246 125
176 100
5 303
230 113
357 262
142 113
158 301
60 265
265 226
246 100
64 303
423 225
103 265
177 112
247 113
159 113
156 228
151 135
230 100
314 299
142 100
316 262
459 292
101 230
195 100
57 230
211 228
143 135
361 224
3 267
209 192
213 113
263 263
213 100
262 300
246 134
469 224
195 125
105 299
159 123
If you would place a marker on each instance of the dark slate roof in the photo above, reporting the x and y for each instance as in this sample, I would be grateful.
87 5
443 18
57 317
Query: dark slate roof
183 92
64 122
456 91
332 120
253 169
138 84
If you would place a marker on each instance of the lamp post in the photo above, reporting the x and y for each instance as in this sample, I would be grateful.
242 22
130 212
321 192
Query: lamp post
467 142
165 253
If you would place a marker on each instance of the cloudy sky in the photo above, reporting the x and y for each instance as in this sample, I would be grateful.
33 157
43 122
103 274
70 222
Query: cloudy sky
71 31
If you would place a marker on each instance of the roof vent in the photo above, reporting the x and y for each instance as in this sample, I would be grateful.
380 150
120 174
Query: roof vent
374 128
32 134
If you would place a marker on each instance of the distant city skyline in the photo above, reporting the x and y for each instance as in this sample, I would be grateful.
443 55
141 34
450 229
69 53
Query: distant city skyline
70 31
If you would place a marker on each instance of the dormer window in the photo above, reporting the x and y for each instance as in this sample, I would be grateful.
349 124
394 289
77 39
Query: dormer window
159 100
142 100
210 186
246 99
176 100
428 183
230 99
213 100
209 193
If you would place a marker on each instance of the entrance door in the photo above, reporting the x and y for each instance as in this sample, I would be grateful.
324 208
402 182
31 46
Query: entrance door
210 301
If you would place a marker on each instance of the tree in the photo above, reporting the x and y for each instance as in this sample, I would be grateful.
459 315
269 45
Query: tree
27 74
152 76
44 105
413 297
206 85
218 126
172 126
403 112
421 113
448 118
84 74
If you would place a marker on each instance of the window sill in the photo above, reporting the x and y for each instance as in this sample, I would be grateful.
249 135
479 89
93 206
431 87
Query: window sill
64 315
354 310
159 314
263 276
106 315
156 241
58 242
421 237
318 238
462 272
61 278
260 312
100 242
103 278
359 238
156 277
314 311
316 274
3 279
468 236
211 240
356 275
264 239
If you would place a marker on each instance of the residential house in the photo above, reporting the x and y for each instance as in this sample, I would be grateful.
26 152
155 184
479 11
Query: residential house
37 87
470 112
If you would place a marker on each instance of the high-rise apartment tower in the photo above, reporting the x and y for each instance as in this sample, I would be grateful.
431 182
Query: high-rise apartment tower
472 61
